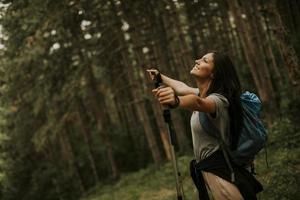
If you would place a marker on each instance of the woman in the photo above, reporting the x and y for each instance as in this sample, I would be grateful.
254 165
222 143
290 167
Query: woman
217 94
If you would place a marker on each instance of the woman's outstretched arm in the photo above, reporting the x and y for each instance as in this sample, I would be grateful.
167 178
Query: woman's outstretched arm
166 97
180 88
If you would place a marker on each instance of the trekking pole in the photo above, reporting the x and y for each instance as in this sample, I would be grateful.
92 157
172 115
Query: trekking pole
171 133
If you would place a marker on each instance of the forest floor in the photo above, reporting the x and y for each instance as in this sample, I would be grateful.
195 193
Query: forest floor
280 180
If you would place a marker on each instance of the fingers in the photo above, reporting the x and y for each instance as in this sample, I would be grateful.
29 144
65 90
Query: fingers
167 102
165 95
152 73
151 70
159 88
155 90
165 99
164 91
161 94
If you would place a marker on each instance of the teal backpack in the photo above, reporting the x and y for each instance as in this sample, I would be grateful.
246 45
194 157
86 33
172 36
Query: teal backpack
253 136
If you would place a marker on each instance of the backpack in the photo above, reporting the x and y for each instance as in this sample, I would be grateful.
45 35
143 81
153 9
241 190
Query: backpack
253 135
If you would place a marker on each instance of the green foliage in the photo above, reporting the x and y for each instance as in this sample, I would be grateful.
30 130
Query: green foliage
148 183
280 180
50 50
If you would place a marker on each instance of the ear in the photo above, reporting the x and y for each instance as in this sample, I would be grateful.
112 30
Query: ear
212 76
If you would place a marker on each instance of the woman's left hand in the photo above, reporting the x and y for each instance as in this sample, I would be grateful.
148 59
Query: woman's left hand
165 95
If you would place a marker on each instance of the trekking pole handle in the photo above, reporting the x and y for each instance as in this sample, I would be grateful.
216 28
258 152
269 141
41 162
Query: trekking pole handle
157 79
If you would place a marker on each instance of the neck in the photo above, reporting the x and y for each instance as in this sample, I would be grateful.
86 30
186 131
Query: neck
203 85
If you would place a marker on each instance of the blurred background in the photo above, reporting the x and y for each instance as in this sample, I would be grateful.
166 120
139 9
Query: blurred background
77 116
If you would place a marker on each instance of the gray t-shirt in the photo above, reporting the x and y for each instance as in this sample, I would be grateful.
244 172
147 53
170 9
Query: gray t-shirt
203 143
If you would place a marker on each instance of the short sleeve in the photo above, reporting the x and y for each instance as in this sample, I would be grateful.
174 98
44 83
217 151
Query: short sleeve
221 103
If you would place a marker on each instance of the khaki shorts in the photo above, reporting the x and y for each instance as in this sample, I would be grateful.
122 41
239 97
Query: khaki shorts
220 188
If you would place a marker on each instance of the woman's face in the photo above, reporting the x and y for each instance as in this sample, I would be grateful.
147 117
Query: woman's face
203 67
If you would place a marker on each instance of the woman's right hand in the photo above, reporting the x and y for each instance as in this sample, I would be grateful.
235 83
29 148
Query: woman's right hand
152 73
166 96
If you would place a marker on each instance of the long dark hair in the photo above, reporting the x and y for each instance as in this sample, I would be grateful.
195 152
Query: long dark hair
226 82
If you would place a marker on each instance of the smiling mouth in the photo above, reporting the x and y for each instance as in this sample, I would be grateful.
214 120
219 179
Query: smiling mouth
197 67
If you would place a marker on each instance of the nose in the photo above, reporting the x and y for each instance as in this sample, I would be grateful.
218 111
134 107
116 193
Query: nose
198 61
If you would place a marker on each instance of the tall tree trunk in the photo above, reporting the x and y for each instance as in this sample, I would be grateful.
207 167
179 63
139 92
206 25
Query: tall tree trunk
269 45
258 67
138 45
158 111
168 20
287 50
180 131
256 31
144 117
194 43
162 130
69 156
101 118
83 124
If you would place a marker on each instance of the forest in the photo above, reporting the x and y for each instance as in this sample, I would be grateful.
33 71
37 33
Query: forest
78 119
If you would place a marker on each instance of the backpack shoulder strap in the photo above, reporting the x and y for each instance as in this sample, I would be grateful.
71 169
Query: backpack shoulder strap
212 130
208 126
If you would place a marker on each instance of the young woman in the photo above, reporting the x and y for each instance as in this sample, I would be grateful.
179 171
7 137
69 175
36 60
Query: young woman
217 94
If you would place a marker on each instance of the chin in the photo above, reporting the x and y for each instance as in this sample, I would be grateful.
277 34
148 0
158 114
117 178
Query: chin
196 75
192 72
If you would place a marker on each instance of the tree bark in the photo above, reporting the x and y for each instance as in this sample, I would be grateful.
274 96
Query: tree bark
101 118
83 124
287 50
259 70
69 156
